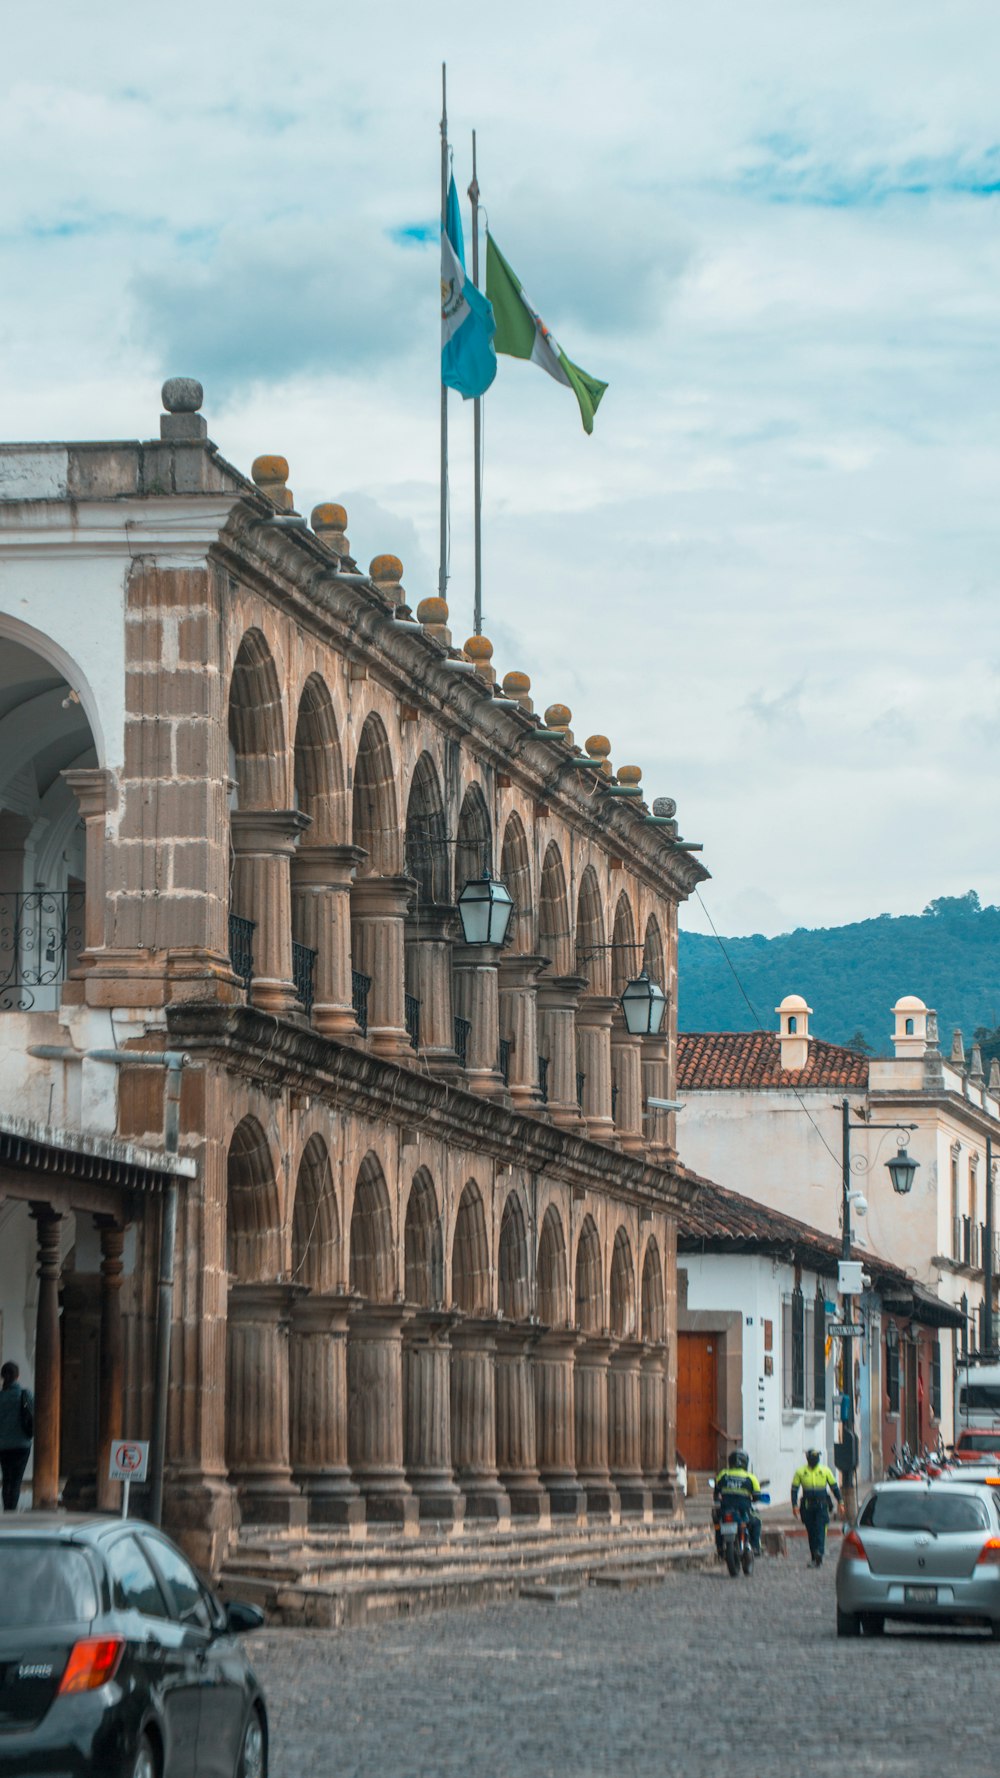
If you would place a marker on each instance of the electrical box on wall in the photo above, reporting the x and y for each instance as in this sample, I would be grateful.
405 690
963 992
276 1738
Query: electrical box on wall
850 1277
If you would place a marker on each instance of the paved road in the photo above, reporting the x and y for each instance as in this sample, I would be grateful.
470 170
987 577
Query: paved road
700 1676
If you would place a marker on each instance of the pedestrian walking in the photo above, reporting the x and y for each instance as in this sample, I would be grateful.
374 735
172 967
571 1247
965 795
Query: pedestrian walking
818 1487
17 1427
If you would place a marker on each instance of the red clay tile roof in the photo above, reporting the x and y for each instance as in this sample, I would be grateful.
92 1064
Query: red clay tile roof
753 1059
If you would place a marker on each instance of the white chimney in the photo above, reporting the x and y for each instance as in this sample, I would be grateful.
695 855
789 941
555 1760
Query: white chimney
793 1032
910 1035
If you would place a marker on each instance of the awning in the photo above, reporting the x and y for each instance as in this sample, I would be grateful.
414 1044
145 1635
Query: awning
921 1305
77 1154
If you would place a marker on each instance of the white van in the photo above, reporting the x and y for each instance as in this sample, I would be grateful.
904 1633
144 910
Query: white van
977 1396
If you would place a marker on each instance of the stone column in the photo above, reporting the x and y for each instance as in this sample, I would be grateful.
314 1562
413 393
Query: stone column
321 918
625 1429
317 1367
474 970
626 1068
558 997
593 1034
257 1403
111 1359
264 841
555 1433
473 1420
655 1082
590 1391
427 1417
429 937
518 986
517 1457
375 1413
48 1376
653 1414
378 916
91 785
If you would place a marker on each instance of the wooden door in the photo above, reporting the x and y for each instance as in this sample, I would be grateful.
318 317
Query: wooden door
697 1399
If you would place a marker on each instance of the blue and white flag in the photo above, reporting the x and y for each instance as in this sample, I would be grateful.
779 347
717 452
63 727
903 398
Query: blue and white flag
468 361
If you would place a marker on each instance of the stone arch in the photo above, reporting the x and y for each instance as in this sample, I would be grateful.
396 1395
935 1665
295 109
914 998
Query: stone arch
24 636
624 950
318 765
554 938
423 1246
654 1322
622 1287
591 947
515 869
427 833
654 960
316 1221
513 1268
470 1255
589 1279
372 1269
257 727
553 1283
253 1212
374 812
474 836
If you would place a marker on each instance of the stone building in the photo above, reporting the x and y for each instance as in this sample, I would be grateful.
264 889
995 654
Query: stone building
425 1265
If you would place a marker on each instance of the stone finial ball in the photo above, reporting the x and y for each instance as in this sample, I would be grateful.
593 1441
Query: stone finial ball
558 716
432 610
665 807
516 685
386 568
629 774
266 470
328 517
598 746
479 648
182 395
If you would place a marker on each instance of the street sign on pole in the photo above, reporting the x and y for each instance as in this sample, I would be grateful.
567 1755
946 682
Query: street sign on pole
845 1330
129 1462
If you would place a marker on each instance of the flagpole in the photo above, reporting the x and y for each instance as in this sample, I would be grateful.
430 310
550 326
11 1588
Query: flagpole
477 423
443 555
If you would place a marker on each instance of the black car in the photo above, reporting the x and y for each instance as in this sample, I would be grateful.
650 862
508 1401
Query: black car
117 1661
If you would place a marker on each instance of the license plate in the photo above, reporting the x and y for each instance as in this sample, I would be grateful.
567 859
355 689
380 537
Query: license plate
920 1595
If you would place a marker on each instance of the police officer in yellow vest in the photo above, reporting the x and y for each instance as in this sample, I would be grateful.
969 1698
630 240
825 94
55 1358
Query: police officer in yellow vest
817 1485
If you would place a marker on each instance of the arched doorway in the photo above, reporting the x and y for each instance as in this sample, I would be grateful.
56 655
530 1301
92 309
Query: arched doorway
318 1350
375 1355
473 1363
427 1359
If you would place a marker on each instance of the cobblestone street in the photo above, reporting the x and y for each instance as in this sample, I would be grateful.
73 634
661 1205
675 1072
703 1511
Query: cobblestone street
700 1676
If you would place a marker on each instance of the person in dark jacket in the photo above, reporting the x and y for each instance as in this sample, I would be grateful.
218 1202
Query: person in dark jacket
17 1425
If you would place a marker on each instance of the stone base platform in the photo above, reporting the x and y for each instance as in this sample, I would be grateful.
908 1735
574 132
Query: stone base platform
329 1580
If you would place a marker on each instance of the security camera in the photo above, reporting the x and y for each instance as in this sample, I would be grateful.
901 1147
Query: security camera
859 1202
664 1105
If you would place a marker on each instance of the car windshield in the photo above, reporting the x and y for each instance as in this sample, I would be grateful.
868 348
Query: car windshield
924 1509
979 1441
981 1397
45 1583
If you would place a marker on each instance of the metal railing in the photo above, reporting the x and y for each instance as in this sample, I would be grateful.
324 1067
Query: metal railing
360 986
504 1062
581 1081
241 948
614 1102
463 1031
411 1015
304 974
543 1079
41 935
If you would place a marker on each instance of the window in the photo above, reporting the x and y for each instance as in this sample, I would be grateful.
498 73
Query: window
892 1370
909 1027
793 1025
936 1380
819 1351
956 1209
182 1582
134 1585
938 1510
964 1306
45 1583
794 1350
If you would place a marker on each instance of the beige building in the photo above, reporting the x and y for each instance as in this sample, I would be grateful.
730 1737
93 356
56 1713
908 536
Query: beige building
425 1248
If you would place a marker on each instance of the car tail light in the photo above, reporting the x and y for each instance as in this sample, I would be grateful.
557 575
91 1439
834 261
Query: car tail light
853 1546
990 1552
92 1663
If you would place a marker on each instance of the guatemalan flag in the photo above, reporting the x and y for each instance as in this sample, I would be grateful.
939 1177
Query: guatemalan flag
468 361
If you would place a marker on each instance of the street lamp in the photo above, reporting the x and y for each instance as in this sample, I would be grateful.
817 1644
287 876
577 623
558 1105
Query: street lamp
643 1004
485 908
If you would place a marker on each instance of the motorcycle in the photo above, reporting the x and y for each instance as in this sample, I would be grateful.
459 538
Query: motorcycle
735 1539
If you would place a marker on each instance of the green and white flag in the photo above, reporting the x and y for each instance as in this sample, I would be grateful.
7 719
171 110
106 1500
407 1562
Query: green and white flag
521 333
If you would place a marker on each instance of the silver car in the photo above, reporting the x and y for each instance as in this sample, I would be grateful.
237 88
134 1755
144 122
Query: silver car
923 1552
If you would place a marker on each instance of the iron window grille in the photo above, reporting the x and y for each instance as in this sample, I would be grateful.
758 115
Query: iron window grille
936 1379
241 948
304 975
794 1349
41 934
360 987
892 1369
819 1352
411 1015
463 1031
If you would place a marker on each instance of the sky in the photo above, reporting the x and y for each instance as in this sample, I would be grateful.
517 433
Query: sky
770 575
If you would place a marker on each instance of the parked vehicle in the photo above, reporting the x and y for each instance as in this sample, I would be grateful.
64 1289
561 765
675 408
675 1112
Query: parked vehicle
977 1396
117 1660
972 1445
923 1552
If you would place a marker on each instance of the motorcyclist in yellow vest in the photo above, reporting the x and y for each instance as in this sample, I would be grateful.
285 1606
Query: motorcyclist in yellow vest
817 1485
736 1487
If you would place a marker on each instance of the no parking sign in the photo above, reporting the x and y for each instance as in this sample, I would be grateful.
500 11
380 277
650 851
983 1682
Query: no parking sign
129 1462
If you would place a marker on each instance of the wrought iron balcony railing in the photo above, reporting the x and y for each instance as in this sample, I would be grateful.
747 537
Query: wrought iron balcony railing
304 975
241 948
360 985
411 1014
581 1081
463 1031
505 1048
41 935
543 1079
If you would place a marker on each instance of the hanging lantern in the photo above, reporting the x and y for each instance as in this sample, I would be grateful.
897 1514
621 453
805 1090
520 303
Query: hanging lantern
485 908
901 1170
643 1005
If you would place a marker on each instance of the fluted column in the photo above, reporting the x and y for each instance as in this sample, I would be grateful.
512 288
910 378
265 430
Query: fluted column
518 986
552 1363
626 1067
517 1456
375 1413
317 1365
111 1358
263 843
653 1415
378 924
473 1420
558 998
257 1449
593 1037
625 1428
321 918
48 1366
655 1083
427 1417
474 969
590 1390
429 937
